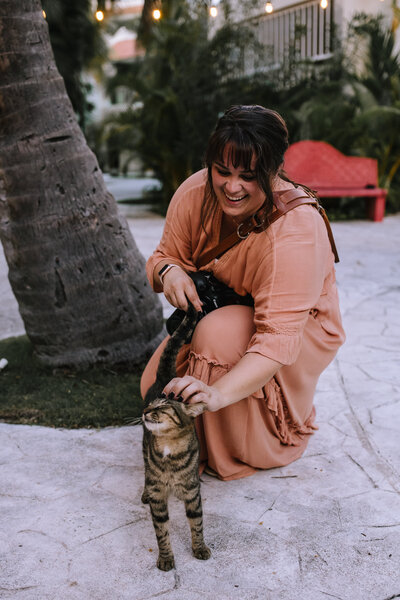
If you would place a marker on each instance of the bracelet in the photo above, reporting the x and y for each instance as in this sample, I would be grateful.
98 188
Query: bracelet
164 270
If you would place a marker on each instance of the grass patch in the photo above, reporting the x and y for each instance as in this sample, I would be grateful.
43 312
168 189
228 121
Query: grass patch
31 393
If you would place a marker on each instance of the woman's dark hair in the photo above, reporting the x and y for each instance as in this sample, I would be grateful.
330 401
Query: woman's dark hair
248 131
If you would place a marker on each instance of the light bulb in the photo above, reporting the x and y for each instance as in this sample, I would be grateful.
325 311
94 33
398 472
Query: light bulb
44 14
213 11
99 15
157 14
269 8
324 4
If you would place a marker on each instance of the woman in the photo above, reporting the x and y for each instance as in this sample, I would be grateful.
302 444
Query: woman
256 369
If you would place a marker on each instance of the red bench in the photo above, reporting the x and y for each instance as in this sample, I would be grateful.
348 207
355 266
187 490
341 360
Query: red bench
333 175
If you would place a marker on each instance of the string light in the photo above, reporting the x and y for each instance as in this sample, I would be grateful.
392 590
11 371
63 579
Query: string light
99 15
157 14
44 14
324 4
269 8
213 11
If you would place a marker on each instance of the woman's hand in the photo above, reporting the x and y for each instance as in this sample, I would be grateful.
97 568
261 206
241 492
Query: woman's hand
179 288
194 391
250 374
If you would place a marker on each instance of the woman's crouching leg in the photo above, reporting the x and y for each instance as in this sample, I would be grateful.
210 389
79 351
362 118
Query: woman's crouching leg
224 334
220 340
242 437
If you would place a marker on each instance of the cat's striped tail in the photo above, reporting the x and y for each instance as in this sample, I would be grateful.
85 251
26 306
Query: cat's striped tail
167 365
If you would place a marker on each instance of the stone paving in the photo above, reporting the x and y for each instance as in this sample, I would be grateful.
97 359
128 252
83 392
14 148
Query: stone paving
326 526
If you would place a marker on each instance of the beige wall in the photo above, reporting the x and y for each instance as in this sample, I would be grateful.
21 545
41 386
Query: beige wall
345 9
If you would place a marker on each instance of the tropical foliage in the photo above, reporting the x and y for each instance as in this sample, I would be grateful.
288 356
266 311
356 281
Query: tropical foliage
181 84
357 106
77 44
378 122
187 77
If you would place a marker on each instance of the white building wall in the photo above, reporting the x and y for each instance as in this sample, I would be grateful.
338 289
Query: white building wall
343 9
303 28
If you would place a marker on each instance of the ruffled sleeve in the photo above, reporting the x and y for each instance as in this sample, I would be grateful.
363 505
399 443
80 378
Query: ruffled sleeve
287 283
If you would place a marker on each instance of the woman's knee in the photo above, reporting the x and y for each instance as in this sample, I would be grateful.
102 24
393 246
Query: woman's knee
224 334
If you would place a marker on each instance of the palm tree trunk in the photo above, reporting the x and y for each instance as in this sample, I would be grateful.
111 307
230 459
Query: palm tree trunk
74 267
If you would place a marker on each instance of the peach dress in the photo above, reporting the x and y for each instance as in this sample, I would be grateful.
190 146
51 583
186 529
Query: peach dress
289 271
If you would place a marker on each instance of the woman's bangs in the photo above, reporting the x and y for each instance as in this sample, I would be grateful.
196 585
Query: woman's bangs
240 156
235 149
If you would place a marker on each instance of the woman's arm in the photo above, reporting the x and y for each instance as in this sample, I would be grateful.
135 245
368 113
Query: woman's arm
250 374
181 230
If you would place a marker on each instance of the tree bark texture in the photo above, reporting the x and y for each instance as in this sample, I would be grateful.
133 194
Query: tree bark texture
74 267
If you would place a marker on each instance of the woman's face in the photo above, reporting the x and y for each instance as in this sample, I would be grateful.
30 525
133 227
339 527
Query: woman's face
236 189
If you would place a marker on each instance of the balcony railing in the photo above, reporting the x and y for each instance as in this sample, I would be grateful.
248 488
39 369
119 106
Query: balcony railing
303 32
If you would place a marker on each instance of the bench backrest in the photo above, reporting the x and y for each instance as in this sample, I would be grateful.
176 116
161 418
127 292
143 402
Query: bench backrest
320 165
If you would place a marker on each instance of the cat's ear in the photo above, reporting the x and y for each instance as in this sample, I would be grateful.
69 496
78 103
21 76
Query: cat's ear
194 410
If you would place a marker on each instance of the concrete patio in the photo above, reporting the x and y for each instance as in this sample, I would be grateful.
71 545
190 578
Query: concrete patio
327 526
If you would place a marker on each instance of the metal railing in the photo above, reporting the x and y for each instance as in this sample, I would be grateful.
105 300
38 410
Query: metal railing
303 32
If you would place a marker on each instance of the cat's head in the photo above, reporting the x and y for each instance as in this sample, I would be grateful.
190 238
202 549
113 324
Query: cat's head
165 415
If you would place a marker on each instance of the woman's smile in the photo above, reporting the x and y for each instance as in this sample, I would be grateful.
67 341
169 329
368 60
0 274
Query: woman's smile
236 188
235 199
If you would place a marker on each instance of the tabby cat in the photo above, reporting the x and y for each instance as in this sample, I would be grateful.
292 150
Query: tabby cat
171 452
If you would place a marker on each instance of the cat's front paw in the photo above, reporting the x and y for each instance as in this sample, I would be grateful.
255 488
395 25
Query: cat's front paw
202 552
145 497
165 563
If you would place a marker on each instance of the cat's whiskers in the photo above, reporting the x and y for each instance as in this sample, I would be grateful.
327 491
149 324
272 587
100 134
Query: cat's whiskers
134 421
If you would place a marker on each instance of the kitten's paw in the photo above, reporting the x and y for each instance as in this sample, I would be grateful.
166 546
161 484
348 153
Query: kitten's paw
145 497
165 564
202 552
